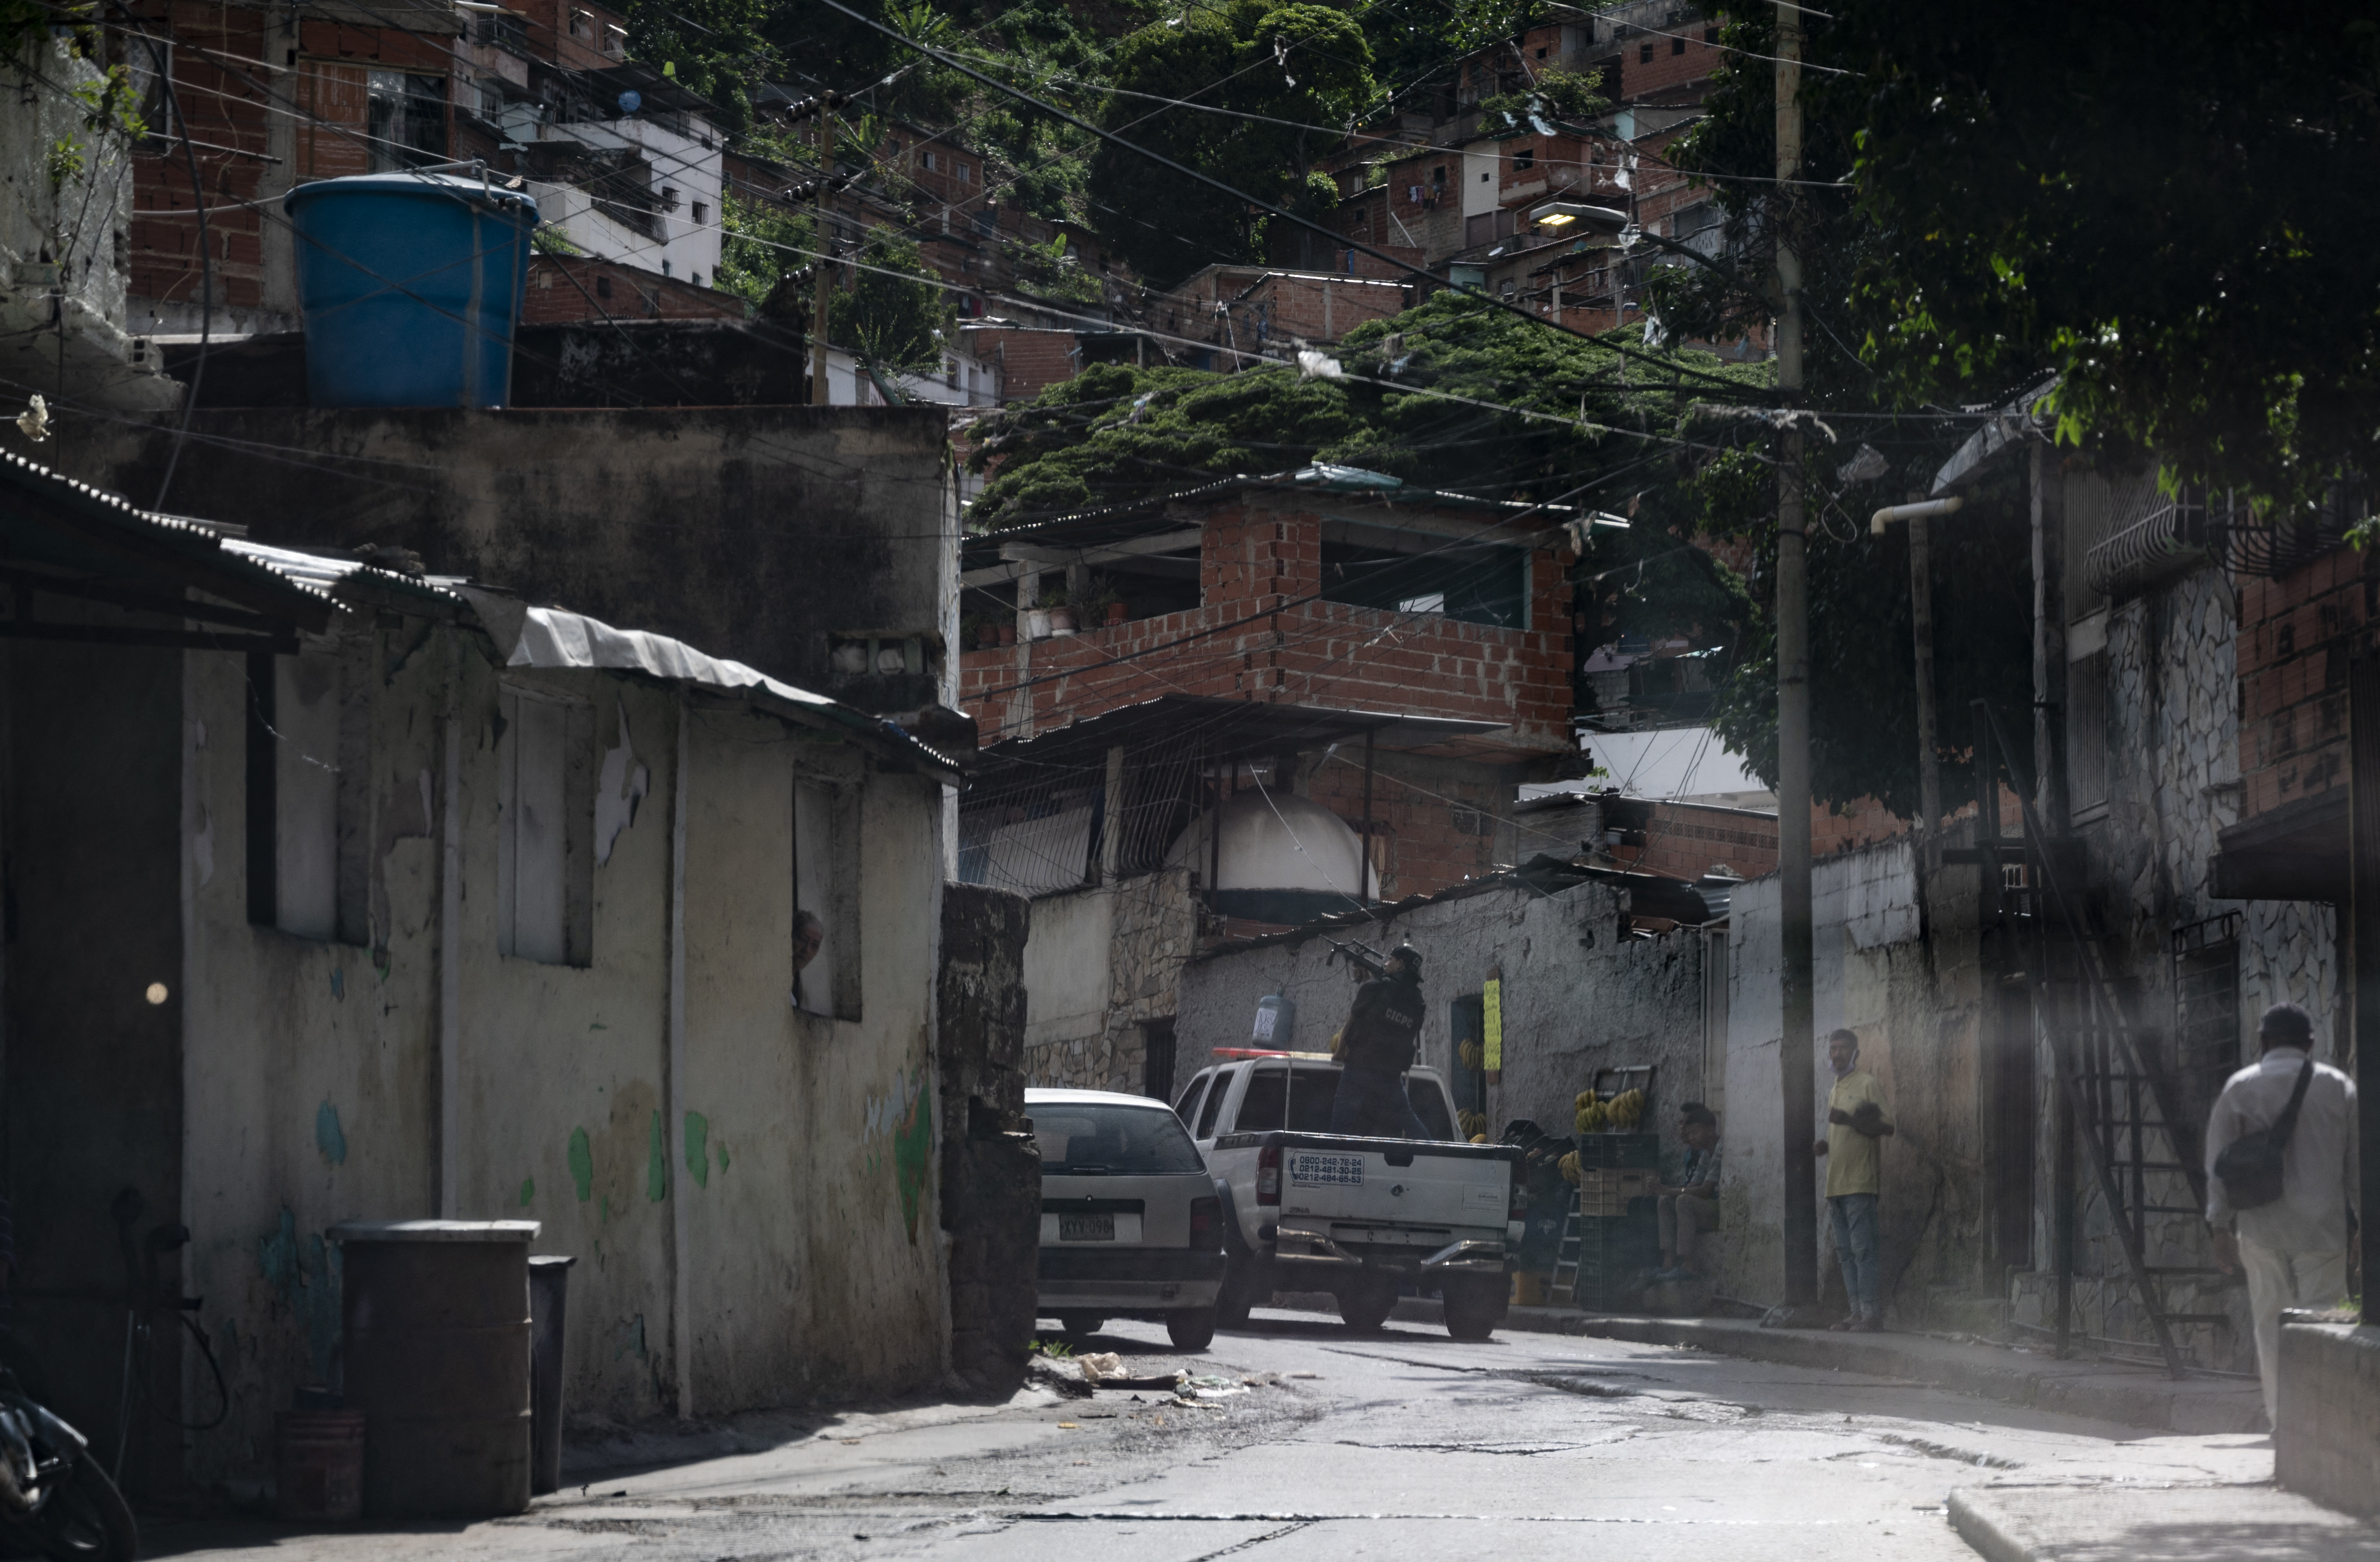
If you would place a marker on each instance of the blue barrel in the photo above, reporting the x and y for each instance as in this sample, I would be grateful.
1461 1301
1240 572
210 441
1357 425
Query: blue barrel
412 285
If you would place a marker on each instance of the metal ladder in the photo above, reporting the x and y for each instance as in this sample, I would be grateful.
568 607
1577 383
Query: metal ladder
2122 1103
1561 1291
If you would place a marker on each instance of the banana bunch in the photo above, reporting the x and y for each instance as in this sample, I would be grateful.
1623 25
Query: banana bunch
1470 1055
1627 1110
1569 1165
1473 1124
1592 1113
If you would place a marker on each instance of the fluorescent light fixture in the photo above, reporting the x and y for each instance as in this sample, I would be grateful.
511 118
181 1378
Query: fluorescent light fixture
1561 214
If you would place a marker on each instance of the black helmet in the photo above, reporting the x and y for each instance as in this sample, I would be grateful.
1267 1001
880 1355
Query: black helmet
1411 956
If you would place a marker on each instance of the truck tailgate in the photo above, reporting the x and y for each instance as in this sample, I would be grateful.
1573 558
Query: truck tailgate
1394 1181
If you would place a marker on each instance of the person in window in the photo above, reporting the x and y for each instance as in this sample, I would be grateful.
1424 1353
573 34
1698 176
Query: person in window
1376 1049
1692 1207
810 936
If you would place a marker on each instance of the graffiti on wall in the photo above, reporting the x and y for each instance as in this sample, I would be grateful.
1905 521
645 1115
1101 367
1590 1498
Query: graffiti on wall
900 1133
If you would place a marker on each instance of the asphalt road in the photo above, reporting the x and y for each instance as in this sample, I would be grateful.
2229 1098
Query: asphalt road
1325 1445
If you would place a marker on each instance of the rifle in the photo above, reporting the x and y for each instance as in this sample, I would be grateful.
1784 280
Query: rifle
1371 962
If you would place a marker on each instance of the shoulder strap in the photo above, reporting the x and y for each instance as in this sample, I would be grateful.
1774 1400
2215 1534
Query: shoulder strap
2285 1124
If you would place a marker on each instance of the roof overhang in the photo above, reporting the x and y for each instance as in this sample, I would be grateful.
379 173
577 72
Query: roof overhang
2297 852
64 540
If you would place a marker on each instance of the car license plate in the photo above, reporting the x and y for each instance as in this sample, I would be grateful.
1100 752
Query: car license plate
1086 1228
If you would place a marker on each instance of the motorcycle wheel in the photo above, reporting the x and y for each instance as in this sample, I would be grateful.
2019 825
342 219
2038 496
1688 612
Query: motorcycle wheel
86 1519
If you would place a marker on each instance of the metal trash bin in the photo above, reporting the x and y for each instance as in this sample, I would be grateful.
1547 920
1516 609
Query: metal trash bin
549 1313
437 1342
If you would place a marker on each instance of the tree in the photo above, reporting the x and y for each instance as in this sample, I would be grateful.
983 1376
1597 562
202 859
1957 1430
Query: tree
895 312
1561 419
2170 204
1864 699
1295 64
759 244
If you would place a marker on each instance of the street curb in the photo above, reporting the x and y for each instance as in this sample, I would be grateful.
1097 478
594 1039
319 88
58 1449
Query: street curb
1984 1529
2157 1405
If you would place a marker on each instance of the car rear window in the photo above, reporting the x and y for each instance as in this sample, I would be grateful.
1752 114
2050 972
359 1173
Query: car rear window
1313 1091
1079 1140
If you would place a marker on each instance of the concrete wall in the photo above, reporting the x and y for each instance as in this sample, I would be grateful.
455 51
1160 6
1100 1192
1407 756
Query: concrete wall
751 1201
753 532
1099 965
990 1171
1578 996
2327 1445
1905 974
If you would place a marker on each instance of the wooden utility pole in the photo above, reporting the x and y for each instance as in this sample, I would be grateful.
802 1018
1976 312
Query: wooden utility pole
825 278
1796 1052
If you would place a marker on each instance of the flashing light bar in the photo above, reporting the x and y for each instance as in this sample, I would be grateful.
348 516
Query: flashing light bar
1236 1053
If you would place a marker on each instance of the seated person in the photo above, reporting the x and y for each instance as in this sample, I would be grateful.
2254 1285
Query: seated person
1692 1207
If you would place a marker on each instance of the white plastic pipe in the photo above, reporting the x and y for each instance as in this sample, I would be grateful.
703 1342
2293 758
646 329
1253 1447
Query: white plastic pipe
1891 512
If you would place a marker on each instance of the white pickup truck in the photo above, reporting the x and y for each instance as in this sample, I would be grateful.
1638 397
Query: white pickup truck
1310 1210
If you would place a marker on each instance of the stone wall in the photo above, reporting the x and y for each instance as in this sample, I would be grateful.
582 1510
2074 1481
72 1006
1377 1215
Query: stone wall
1116 952
1580 992
992 1175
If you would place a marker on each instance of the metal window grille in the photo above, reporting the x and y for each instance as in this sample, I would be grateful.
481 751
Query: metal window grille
2205 1010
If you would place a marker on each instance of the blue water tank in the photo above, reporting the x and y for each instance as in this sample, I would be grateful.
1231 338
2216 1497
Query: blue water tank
412 285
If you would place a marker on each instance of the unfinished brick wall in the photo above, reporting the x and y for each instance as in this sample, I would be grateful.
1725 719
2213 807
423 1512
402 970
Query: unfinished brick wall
569 290
2296 635
221 92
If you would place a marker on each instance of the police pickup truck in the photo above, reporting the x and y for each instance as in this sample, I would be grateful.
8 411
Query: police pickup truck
1309 1210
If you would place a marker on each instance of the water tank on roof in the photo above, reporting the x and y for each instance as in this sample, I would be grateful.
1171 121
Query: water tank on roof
1284 858
412 285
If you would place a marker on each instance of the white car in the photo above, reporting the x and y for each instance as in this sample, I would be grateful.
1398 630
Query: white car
1132 1225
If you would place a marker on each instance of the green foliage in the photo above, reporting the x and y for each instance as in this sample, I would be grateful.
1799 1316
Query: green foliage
1309 64
2168 205
1558 94
1863 685
1051 271
759 244
714 47
896 320
1116 433
546 239
64 163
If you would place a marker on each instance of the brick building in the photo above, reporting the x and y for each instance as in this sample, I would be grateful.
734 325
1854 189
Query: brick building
1293 693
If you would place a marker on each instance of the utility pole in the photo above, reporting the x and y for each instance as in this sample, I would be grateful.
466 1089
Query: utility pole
1921 624
820 189
818 289
1795 1058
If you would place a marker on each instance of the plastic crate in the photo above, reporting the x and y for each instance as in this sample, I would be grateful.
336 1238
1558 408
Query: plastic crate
1599 1152
1612 1191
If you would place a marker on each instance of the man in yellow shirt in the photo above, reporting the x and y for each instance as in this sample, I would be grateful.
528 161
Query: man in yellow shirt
1855 1121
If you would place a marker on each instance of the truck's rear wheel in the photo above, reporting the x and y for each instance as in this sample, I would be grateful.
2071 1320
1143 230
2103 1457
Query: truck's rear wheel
1190 1328
1080 1326
1237 1295
1475 1305
1366 1304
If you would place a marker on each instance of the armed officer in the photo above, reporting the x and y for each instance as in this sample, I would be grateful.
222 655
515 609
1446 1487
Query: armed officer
1376 1047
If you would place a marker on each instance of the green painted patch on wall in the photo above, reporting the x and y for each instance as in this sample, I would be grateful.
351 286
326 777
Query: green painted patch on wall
528 1189
697 1148
307 1277
582 1165
723 1154
339 983
329 1137
656 1162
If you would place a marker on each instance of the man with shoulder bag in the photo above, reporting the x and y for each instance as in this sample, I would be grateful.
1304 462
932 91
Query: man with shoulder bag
2281 1182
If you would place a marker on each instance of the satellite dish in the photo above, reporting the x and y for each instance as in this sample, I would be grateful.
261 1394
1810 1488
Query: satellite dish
631 101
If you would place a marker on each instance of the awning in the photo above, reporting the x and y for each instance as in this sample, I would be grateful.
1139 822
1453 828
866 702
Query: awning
65 539
2297 852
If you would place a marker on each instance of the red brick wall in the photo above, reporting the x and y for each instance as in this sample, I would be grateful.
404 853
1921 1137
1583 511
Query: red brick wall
226 106
2296 634
567 288
1253 563
1667 75
1425 838
1028 360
